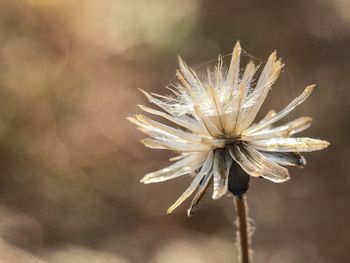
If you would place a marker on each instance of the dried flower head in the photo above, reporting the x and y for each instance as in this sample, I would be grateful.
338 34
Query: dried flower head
215 135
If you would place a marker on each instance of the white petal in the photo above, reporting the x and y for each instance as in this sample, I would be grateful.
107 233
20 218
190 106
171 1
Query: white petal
187 123
191 90
204 170
190 76
176 145
257 165
232 93
184 166
272 170
286 159
268 116
286 130
231 119
290 145
160 103
233 72
246 82
157 134
201 189
212 93
179 157
190 137
299 125
152 131
248 74
221 168
254 101
291 106
219 75
211 127
247 165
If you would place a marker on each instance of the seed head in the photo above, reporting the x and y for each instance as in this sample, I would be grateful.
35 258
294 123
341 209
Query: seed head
213 130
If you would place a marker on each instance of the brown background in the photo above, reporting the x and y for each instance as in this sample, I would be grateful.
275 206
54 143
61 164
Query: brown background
70 163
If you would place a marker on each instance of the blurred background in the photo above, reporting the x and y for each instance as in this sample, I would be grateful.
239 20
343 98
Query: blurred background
70 163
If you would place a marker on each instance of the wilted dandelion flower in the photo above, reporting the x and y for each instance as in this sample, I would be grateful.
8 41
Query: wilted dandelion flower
215 135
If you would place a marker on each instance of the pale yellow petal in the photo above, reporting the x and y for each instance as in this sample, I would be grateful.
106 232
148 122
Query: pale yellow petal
290 145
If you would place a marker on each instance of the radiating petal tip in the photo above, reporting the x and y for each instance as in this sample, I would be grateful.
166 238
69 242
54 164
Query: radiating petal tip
131 119
218 195
215 196
179 75
182 64
146 109
310 88
146 180
142 90
150 143
169 210
237 45
148 96
250 66
302 161
272 112
189 212
143 180
325 144
308 119
281 180
153 144
273 55
236 51
269 115
279 64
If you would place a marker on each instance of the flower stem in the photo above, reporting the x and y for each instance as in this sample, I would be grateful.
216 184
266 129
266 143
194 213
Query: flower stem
242 223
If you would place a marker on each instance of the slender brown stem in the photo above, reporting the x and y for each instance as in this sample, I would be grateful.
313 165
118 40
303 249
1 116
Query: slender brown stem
242 223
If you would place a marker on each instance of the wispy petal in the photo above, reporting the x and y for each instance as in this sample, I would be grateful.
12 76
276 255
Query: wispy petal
211 127
219 75
190 137
190 76
247 165
187 123
160 103
221 168
291 106
176 145
219 122
150 131
255 100
184 166
286 130
246 82
233 71
290 145
257 165
199 194
196 181
286 159
272 171
231 120
268 116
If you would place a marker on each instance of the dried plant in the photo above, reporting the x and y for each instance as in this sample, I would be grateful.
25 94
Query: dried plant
215 135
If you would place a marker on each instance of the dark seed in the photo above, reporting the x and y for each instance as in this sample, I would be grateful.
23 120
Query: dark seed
238 180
